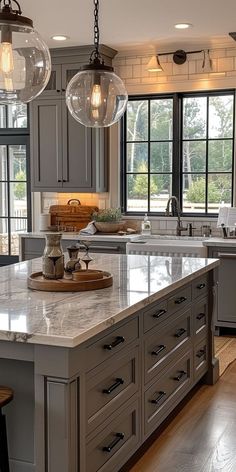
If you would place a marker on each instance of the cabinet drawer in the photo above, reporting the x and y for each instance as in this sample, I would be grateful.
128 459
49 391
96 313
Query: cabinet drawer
200 287
182 298
115 443
200 316
167 392
117 340
109 388
162 346
155 315
200 359
34 245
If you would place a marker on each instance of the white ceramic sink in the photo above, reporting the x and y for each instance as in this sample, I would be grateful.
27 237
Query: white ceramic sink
192 247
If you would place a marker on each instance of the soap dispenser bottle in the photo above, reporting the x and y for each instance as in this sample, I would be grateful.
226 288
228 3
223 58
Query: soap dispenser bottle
146 225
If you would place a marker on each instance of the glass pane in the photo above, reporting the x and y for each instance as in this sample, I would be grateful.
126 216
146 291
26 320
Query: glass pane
3 162
4 236
51 85
220 154
17 226
137 191
194 117
194 193
137 157
70 73
221 116
162 119
194 156
17 116
160 191
3 199
137 120
3 120
219 191
161 157
17 162
18 200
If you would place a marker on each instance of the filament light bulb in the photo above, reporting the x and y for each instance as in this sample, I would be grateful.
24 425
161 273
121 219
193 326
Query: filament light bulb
6 58
96 97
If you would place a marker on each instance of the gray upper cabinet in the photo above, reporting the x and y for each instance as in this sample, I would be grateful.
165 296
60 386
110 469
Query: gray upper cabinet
65 155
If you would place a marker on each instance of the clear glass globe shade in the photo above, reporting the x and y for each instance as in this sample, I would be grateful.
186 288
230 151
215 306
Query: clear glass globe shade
96 98
25 64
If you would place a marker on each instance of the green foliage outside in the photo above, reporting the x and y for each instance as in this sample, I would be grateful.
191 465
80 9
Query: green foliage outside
20 187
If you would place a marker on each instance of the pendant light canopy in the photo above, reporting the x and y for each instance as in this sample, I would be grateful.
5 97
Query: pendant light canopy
96 96
25 63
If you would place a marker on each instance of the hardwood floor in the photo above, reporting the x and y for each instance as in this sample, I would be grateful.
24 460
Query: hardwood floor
202 437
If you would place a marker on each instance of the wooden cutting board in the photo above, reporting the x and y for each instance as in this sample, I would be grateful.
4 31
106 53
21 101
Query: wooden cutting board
71 215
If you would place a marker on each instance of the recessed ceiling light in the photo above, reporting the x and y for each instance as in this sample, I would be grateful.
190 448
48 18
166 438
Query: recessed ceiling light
60 37
183 25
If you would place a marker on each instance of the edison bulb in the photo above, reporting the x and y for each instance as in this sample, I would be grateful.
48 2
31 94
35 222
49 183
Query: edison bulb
96 97
6 58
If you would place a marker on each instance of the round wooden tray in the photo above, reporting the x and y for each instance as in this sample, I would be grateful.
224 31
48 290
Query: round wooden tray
36 281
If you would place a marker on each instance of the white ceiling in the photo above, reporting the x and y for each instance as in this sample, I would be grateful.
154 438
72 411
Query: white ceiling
126 24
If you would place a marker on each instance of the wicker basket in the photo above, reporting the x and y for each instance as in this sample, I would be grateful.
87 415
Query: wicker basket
109 227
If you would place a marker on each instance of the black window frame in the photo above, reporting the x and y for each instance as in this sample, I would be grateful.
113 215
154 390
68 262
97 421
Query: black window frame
177 173
14 136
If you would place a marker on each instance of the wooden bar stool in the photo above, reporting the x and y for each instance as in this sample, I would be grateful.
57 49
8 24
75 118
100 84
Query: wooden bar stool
6 395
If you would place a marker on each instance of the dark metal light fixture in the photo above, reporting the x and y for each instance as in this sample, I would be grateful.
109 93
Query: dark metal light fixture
96 96
25 63
180 57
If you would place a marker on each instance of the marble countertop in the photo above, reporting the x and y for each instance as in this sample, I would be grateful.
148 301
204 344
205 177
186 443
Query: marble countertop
75 236
220 242
68 319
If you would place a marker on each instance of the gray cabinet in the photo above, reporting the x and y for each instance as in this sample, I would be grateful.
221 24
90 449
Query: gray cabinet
64 153
225 312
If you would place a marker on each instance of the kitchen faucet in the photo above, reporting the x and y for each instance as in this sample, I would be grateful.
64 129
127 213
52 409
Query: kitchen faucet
175 212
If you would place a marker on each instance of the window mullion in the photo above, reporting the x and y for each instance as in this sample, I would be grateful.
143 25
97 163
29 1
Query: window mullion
176 161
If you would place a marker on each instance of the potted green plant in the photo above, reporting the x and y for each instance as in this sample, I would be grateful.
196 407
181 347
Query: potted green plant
108 221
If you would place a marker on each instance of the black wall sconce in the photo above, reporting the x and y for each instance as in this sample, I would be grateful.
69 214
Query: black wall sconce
179 57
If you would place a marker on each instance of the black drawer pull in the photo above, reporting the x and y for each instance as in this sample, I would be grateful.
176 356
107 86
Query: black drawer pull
200 353
118 438
180 300
117 383
119 340
180 332
200 286
200 316
59 180
158 399
181 376
159 313
161 348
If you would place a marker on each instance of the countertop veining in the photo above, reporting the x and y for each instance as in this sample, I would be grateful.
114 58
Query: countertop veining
68 319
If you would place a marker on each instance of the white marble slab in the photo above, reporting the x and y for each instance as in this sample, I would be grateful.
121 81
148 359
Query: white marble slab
220 242
68 319
76 236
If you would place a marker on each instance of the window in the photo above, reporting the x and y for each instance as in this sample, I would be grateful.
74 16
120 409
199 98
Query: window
180 144
14 179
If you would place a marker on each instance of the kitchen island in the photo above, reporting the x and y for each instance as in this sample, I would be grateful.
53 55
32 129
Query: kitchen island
95 373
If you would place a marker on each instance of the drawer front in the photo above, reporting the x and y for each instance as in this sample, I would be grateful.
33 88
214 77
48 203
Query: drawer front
115 443
180 300
109 388
155 315
161 347
34 245
200 317
200 359
167 392
200 287
117 340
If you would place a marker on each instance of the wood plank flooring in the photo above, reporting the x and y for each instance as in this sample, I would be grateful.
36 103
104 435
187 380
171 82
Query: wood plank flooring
202 437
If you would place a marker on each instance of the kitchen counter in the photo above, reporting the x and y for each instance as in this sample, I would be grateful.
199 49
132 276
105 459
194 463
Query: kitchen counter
220 242
76 236
84 365
69 319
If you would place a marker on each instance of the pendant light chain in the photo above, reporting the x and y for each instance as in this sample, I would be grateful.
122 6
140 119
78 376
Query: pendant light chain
96 28
8 3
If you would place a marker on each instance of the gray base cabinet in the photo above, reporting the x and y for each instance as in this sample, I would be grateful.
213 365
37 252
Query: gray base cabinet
97 403
225 313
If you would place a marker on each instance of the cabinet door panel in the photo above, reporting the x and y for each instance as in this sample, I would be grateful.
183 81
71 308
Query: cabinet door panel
226 288
77 153
54 85
46 134
68 71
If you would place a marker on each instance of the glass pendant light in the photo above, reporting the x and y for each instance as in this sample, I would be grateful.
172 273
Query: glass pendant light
25 63
96 96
